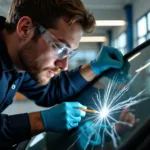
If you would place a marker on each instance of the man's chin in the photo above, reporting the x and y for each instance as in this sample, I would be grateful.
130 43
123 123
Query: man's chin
43 82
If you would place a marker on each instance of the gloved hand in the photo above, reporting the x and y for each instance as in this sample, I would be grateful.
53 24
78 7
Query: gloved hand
107 58
121 74
62 117
87 135
83 135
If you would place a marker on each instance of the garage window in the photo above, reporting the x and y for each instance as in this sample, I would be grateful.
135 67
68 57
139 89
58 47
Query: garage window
121 43
143 29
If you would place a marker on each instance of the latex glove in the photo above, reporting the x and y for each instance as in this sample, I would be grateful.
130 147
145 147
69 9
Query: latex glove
62 117
87 135
107 58
83 136
122 74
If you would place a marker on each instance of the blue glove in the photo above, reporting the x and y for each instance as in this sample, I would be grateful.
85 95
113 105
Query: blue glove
122 74
87 135
107 58
62 117
83 136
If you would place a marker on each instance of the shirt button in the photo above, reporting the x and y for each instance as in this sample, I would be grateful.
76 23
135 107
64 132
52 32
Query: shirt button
13 86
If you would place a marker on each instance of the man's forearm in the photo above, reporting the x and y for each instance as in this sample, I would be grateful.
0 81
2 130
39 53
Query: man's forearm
36 123
87 72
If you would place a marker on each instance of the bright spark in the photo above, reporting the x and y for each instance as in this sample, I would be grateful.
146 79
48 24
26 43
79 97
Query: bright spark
104 113
110 105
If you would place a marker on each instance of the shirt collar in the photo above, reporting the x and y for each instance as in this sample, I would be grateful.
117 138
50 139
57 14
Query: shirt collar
5 59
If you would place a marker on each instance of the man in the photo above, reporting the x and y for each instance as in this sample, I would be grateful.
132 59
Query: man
36 41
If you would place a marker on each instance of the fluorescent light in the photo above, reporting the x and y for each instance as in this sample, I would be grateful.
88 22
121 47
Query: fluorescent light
140 69
37 139
110 23
133 57
93 39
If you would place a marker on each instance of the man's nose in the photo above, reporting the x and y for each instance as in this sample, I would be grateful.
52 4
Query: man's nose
62 64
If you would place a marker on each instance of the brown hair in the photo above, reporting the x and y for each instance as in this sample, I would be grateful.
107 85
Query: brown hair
47 12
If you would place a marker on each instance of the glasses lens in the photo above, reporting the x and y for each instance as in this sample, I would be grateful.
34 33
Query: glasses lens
60 50
63 52
72 53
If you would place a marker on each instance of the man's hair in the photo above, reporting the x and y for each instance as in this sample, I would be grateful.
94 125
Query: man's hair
47 13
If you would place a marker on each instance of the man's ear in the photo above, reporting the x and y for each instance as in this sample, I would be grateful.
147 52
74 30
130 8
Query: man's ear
25 28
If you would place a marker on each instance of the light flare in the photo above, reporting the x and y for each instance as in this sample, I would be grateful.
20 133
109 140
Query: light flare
104 113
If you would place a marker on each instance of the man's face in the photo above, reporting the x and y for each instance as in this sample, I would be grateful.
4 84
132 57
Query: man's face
38 58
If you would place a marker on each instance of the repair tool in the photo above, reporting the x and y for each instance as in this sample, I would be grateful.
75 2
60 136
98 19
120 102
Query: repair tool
89 110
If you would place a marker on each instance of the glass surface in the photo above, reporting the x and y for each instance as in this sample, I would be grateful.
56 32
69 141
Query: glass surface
142 27
118 94
135 89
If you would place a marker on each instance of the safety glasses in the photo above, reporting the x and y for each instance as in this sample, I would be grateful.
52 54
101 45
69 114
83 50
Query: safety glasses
60 50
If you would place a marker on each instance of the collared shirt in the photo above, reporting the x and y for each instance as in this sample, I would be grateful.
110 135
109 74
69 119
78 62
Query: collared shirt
16 128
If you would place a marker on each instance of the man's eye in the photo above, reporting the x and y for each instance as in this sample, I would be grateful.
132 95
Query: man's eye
59 46
62 49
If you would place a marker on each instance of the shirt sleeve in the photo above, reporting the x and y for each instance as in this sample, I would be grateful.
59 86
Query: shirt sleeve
61 88
14 129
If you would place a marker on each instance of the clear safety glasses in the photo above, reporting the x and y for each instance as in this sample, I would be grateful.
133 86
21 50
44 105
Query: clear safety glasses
60 50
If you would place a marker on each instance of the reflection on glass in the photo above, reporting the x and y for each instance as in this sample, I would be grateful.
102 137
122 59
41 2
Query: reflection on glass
37 139
142 27
133 57
145 66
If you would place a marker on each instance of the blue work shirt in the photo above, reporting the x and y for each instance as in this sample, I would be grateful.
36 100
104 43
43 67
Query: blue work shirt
16 128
